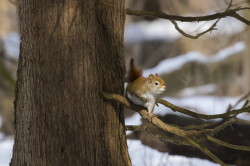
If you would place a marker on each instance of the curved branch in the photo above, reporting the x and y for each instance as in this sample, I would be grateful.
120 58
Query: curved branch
159 14
202 116
210 29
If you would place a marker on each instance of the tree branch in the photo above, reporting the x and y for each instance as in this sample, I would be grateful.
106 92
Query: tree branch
159 14
176 130
173 18
148 129
210 29
219 142
202 116
207 152
180 136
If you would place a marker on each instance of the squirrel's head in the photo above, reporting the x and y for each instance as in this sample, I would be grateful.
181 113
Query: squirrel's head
156 84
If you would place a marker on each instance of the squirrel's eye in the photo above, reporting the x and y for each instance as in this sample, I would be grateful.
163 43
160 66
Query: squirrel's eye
156 83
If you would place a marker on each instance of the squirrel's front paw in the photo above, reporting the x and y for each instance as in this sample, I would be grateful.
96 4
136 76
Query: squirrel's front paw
151 116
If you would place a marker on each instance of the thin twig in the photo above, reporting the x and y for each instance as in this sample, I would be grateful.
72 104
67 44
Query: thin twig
207 152
198 127
219 142
241 99
242 121
245 104
210 29
230 4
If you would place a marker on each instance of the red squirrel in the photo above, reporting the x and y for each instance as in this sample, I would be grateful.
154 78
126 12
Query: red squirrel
144 91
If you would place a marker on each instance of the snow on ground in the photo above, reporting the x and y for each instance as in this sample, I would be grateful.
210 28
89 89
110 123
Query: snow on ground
161 29
147 31
172 64
142 155
1 136
6 146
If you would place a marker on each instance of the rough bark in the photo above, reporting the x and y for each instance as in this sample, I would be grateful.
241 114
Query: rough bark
71 51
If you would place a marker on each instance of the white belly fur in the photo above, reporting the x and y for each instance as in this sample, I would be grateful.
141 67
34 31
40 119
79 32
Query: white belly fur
149 104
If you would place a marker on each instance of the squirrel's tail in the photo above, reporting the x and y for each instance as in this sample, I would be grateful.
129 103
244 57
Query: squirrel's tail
134 72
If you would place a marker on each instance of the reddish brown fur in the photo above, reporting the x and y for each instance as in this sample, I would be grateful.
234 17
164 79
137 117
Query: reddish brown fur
134 72
144 91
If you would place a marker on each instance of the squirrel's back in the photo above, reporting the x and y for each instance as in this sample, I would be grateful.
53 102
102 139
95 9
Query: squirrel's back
134 72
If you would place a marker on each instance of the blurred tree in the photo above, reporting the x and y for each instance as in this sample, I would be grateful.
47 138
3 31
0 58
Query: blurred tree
7 84
8 17
71 51
246 59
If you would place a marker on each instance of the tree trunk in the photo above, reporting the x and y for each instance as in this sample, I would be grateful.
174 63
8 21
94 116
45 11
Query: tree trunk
71 52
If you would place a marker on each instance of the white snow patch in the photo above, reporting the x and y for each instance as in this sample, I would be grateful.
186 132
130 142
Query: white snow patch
6 147
203 89
135 119
1 136
12 43
147 31
142 155
172 64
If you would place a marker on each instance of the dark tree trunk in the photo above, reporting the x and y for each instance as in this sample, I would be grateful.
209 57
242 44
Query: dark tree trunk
71 52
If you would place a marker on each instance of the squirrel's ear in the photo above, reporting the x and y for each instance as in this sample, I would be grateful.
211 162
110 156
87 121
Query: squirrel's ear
150 78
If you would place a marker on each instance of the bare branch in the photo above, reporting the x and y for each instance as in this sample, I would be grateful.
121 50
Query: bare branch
198 127
180 136
230 4
210 29
207 152
176 130
148 129
241 99
159 14
202 116
242 121
219 142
